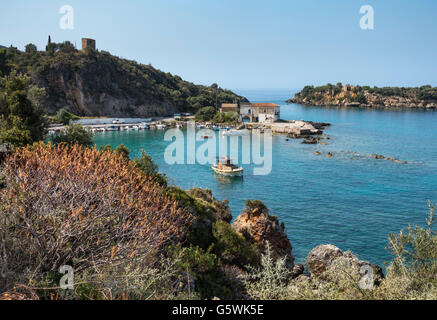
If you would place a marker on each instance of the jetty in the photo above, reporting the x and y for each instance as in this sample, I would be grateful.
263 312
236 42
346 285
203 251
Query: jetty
292 127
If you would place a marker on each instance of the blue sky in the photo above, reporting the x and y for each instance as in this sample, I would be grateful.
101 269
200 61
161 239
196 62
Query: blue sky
247 43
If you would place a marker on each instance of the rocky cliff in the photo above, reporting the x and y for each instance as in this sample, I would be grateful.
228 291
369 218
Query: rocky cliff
100 84
356 96
258 227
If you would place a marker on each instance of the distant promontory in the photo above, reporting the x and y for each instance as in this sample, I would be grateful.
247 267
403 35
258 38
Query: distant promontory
424 97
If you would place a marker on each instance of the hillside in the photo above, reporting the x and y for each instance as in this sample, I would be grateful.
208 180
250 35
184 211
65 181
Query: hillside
424 97
100 84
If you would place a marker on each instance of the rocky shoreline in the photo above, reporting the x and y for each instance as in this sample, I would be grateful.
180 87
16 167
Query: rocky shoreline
258 227
423 98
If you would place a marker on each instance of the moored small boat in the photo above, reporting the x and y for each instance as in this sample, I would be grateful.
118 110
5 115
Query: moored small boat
227 168
235 132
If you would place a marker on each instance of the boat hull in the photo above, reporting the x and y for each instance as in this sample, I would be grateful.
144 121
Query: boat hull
235 133
230 173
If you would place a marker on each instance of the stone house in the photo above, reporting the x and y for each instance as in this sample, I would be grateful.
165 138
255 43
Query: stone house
260 112
254 112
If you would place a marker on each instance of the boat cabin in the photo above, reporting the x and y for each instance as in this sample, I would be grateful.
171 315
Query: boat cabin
226 164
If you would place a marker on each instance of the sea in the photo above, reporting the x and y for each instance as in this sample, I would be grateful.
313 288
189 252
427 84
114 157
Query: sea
350 200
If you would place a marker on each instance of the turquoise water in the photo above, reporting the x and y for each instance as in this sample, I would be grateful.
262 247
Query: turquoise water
349 200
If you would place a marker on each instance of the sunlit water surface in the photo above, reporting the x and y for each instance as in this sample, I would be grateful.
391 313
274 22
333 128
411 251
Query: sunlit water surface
350 200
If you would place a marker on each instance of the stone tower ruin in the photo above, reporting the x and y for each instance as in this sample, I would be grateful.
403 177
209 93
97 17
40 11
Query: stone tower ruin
88 44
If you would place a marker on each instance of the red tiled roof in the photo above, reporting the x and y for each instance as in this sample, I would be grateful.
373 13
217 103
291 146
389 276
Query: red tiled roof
264 105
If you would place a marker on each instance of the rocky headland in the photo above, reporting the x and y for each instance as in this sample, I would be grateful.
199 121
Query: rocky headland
424 97
97 83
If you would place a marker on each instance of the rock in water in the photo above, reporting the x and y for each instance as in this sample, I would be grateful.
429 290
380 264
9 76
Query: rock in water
257 226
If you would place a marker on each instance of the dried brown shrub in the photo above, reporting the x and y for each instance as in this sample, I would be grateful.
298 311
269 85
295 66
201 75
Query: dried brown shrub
81 207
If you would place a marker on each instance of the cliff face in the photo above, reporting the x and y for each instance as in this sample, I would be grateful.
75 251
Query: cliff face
258 227
99 84
355 96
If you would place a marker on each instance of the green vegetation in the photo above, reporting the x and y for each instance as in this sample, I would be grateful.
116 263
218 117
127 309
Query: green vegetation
145 164
65 117
127 234
205 114
358 93
200 256
75 134
412 274
227 117
21 118
123 151
102 72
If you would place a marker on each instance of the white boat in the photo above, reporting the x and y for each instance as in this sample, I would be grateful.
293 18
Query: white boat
118 121
227 168
144 126
160 126
235 132
111 128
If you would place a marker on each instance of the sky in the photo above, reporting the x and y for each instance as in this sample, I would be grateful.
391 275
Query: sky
247 44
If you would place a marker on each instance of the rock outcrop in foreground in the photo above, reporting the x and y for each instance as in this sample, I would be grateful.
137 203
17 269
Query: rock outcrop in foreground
356 96
322 257
257 226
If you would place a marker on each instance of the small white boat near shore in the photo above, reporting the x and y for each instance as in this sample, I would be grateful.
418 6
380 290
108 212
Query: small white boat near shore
235 132
225 167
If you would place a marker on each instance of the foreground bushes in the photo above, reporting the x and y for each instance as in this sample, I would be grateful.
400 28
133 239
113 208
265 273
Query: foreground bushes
128 236
412 273
68 205
125 233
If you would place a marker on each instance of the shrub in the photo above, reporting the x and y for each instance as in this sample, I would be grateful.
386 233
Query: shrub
145 164
255 205
75 134
123 151
64 117
270 280
413 271
69 205
227 117
22 120
232 247
205 114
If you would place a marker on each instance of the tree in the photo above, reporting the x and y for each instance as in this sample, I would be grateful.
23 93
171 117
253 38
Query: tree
52 47
22 118
75 134
205 114
66 47
30 48
145 164
14 132
3 66
227 117
64 117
